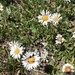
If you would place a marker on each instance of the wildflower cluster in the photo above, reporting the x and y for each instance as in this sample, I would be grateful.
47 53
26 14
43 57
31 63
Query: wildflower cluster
35 39
30 60
46 17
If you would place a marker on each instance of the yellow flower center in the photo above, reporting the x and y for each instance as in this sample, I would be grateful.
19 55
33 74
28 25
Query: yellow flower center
0 6
59 39
31 60
68 69
45 17
56 18
17 51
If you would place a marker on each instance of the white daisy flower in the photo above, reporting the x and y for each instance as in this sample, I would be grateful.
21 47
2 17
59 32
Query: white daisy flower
55 18
44 18
59 39
67 68
30 60
1 7
15 49
73 36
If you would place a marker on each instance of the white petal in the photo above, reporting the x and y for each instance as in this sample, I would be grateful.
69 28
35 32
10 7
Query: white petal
47 12
43 12
44 23
58 42
41 21
39 17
